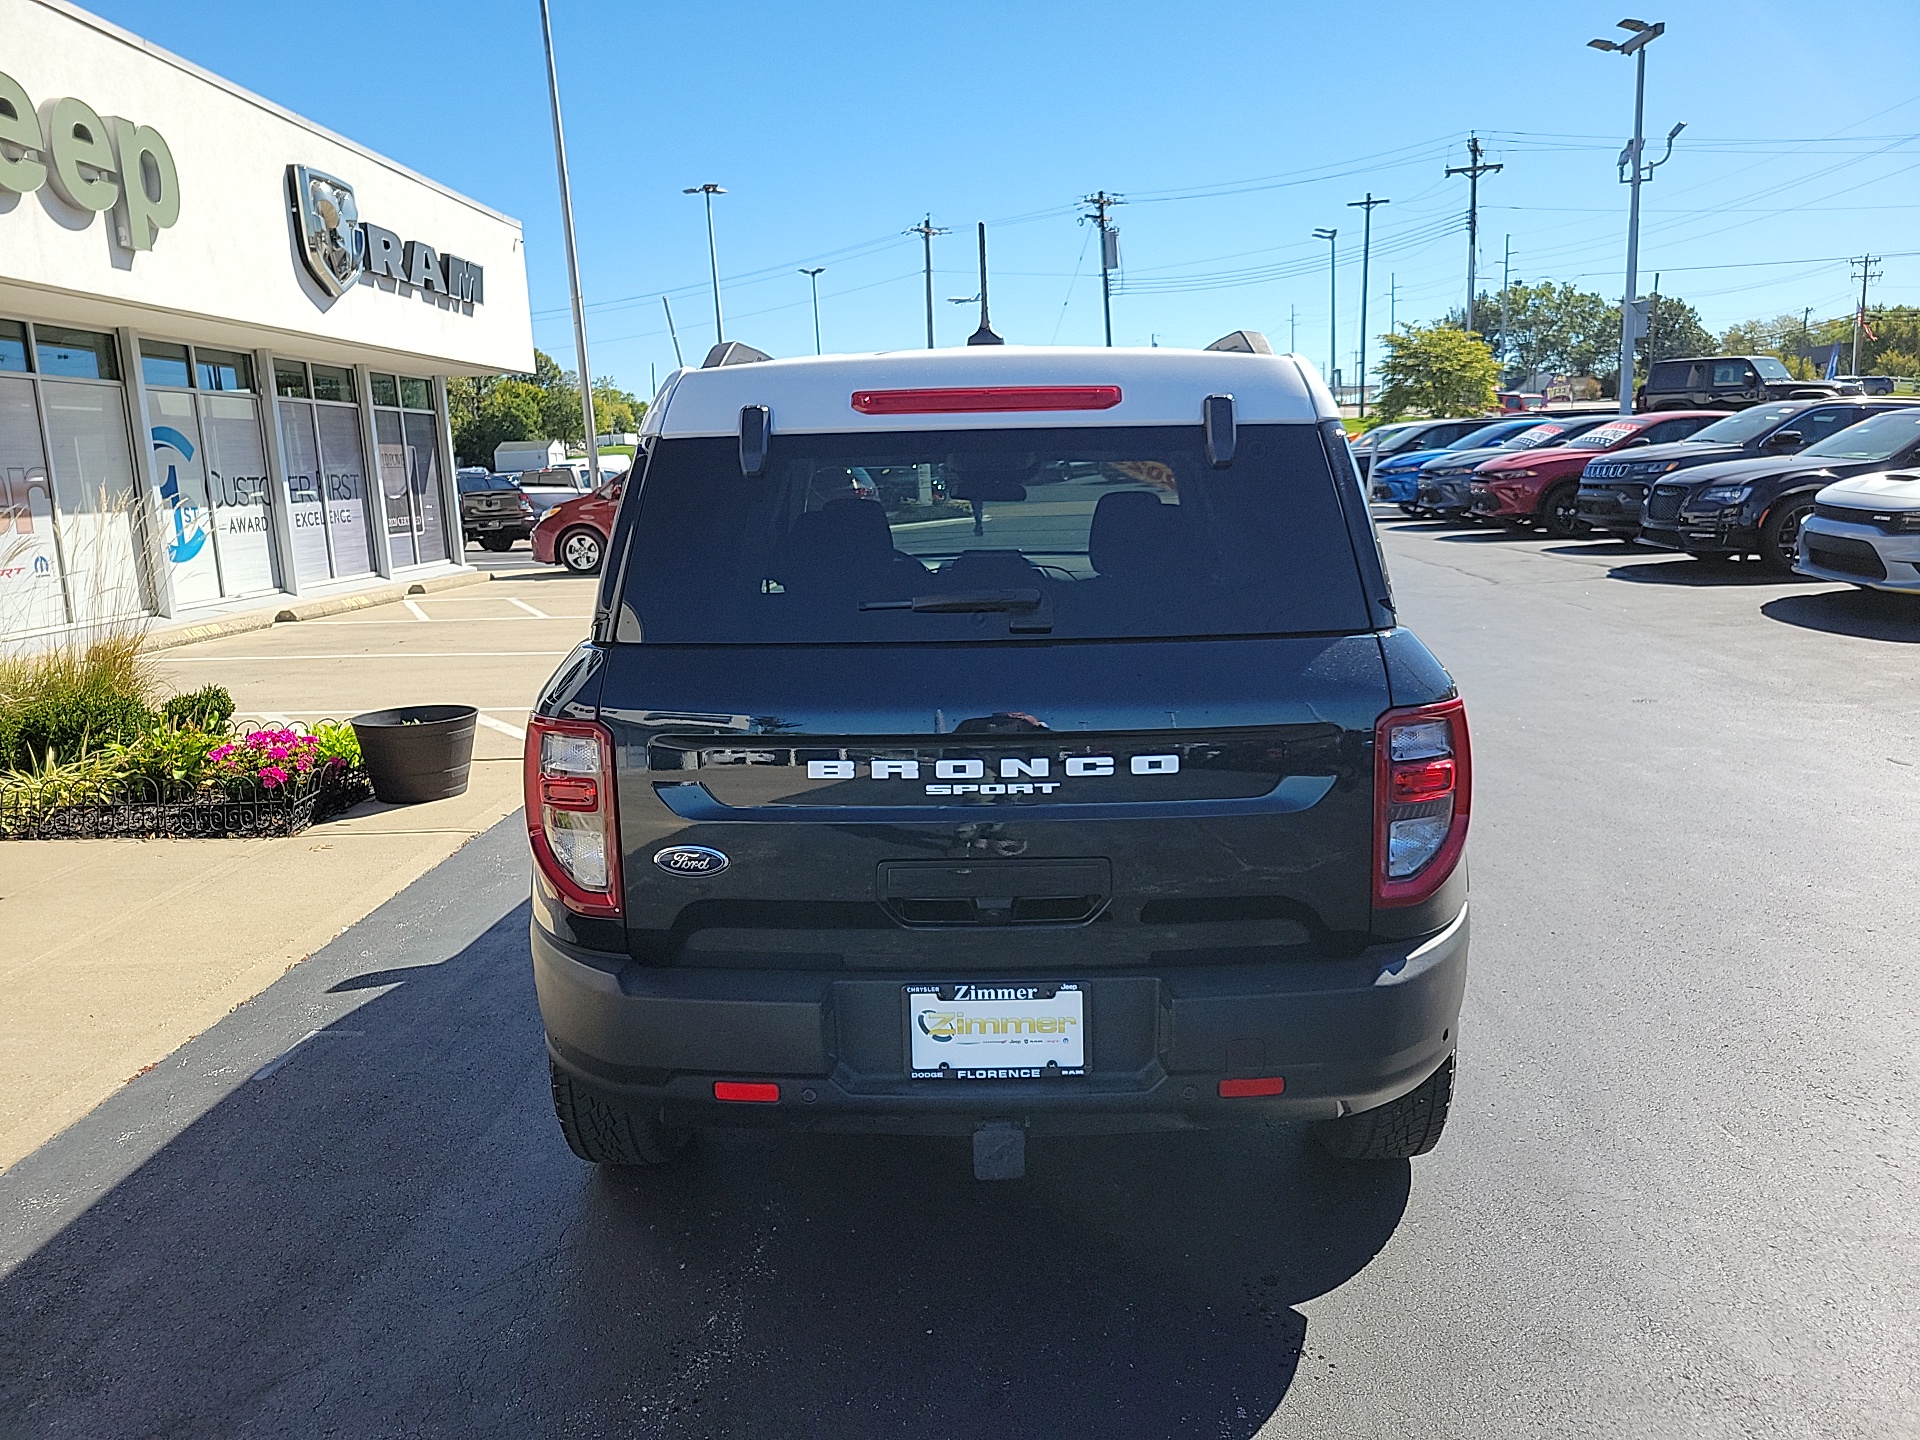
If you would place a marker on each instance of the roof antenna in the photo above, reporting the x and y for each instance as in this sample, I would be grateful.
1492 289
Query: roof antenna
984 335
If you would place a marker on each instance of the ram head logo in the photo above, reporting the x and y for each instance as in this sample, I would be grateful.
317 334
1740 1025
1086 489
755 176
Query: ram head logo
328 222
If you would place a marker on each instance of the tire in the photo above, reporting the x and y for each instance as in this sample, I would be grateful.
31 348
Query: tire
1398 1130
602 1131
1559 512
580 550
1410 510
1780 535
496 543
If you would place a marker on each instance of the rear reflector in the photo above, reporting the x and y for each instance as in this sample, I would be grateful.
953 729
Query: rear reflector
752 1092
978 398
1245 1089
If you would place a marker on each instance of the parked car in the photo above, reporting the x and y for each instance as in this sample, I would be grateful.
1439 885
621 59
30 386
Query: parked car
1446 481
1131 815
1866 531
1396 480
1725 382
1542 485
574 533
553 486
1365 446
1756 507
493 510
1613 490
1422 435
1514 401
1869 384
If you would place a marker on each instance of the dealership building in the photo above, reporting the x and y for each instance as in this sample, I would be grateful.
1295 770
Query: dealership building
225 340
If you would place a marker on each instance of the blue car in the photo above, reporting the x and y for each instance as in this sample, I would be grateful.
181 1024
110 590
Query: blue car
1397 478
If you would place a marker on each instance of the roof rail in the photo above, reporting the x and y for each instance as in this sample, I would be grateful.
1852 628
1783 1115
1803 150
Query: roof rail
732 352
1243 342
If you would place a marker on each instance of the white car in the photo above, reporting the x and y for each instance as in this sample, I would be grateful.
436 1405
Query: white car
1866 531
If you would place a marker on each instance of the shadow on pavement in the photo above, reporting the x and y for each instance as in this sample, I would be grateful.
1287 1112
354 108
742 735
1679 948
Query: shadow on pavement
1866 614
1685 570
382 1233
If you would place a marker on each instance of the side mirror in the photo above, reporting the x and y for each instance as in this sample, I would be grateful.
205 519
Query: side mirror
1785 440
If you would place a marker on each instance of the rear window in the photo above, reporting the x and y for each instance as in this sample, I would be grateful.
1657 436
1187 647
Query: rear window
973 535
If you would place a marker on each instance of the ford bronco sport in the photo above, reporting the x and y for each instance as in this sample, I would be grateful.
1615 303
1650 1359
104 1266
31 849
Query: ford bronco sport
998 741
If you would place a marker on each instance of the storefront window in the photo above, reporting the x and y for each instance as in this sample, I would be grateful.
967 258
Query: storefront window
31 597
343 467
386 390
237 485
290 379
223 369
164 364
94 491
13 345
415 394
84 354
312 560
409 468
179 465
330 382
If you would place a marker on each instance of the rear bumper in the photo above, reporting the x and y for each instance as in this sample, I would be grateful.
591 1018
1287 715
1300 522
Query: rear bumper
1700 537
1346 1035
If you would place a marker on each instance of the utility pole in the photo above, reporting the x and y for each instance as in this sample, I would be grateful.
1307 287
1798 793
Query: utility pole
1653 319
1867 272
1333 304
1393 303
926 230
1293 329
1806 335
1102 202
1635 172
674 333
1473 172
984 335
573 253
710 190
1366 253
1506 285
814 276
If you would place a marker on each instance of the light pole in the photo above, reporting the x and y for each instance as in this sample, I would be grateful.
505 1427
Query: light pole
1366 252
1635 172
713 255
814 276
1333 302
573 254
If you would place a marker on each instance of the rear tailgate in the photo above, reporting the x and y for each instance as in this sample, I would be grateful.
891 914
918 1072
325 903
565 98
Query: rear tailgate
1006 808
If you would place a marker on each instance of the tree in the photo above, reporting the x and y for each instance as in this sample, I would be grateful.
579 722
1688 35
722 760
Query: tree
1903 363
615 411
1550 328
541 406
1674 329
508 409
1439 370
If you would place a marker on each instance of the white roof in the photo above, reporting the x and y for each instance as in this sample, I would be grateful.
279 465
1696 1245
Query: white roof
814 394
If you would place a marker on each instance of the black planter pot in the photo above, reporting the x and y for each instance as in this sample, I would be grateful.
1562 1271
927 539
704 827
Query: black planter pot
417 752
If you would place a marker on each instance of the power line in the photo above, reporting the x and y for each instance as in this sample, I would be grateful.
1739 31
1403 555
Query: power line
926 230
1866 264
1473 171
1109 250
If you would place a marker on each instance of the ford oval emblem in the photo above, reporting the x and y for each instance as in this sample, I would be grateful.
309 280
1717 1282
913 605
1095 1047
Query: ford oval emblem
691 860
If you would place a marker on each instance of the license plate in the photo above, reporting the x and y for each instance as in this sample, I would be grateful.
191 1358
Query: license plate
995 1032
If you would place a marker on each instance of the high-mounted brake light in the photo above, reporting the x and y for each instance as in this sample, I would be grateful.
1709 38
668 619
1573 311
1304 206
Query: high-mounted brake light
570 812
1423 789
976 399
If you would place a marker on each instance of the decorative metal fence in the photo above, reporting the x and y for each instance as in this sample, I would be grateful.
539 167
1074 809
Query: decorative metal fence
137 807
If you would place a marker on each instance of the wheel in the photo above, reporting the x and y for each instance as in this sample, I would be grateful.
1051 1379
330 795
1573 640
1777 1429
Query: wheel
1398 1130
579 550
1780 535
1560 512
496 543
1412 510
605 1132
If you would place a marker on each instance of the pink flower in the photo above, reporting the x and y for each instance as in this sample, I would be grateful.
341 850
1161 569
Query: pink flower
278 752
220 752
272 775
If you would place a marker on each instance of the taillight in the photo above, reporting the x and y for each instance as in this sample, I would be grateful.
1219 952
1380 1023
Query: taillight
1423 788
570 812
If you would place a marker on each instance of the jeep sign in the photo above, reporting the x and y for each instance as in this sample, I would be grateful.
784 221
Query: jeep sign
94 164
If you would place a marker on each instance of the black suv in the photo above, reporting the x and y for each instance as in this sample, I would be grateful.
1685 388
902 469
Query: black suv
1613 489
1754 507
977 742
1725 382
494 510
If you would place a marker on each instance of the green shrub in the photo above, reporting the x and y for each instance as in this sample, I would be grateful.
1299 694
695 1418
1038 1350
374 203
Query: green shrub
209 708
30 794
69 702
171 760
337 741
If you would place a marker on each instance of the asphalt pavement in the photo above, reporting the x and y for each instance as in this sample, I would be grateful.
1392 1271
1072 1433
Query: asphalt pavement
1678 1194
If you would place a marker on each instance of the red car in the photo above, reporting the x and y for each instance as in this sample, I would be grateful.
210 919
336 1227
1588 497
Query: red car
574 533
1543 485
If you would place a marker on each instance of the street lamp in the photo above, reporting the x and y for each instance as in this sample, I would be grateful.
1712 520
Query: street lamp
713 255
1635 172
814 276
1333 302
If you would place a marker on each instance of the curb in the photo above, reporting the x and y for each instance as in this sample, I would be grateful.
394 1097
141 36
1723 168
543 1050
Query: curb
269 616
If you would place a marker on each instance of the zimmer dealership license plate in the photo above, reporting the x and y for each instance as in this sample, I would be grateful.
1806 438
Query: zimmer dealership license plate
995 1032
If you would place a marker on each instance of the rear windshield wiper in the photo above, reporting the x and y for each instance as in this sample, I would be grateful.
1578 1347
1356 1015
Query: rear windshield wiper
1034 613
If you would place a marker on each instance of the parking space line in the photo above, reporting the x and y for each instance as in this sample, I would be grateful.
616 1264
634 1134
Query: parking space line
413 606
536 613
505 729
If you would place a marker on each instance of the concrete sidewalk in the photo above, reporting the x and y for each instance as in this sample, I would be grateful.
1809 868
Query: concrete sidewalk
118 951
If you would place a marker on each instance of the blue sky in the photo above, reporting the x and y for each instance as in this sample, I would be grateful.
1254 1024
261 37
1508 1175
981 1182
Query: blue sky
1233 130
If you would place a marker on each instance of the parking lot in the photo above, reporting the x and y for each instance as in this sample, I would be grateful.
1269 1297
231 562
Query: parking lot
1678 1194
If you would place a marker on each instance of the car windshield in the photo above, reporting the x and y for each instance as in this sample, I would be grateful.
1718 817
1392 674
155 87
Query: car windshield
1879 438
984 535
1770 368
1490 435
1742 426
1556 432
1604 437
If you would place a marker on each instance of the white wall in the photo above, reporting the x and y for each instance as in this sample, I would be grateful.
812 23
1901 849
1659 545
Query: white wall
229 271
